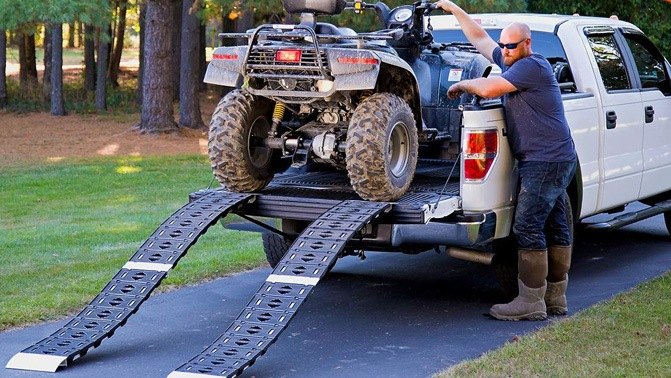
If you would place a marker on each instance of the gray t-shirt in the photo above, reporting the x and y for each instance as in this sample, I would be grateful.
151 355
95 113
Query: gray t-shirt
537 126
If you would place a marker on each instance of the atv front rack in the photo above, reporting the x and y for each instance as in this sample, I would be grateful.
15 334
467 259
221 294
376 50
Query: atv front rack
308 259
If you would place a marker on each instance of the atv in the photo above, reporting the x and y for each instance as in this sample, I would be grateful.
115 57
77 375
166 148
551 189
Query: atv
316 96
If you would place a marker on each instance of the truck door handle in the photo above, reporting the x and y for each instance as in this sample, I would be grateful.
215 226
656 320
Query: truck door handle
649 114
611 119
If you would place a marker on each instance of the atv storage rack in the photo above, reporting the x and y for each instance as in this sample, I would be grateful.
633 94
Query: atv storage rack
260 58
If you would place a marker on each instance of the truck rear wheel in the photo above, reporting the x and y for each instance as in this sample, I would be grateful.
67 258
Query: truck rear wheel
275 246
505 265
238 157
667 220
381 153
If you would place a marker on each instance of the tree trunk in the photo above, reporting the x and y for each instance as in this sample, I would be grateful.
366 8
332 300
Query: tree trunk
79 34
189 77
89 59
23 75
31 58
101 72
176 43
157 85
12 38
140 71
202 59
48 51
244 22
110 47
71 35
118 48
57 102
3 68
28 66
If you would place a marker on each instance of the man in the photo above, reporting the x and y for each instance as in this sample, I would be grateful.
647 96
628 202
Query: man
541 142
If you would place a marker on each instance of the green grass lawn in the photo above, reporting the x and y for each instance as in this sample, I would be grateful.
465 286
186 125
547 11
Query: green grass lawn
67 228
628 336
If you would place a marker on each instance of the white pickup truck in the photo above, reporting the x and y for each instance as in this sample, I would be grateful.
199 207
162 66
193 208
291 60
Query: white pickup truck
616 89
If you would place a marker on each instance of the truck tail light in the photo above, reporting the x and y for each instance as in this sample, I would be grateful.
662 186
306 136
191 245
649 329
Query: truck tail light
480 150
288 56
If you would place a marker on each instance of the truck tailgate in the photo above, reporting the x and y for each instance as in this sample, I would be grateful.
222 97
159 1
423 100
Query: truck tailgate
305 196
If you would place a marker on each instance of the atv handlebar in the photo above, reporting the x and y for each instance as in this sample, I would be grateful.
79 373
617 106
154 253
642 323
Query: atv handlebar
427 5
362 5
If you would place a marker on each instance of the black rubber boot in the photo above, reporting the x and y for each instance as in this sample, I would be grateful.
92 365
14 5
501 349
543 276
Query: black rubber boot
559 262
529 304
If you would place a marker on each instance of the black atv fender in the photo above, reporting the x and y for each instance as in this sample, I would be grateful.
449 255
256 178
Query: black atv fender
390 74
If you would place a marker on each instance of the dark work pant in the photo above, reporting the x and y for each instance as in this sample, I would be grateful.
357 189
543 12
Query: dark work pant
542 204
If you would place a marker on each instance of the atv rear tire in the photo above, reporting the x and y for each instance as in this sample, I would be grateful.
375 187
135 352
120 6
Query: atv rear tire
239 124
275 246
381 153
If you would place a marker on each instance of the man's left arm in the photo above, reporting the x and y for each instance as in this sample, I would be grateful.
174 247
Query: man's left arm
490 87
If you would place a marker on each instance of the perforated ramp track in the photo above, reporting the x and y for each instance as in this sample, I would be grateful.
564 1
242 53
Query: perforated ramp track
131 286
308 259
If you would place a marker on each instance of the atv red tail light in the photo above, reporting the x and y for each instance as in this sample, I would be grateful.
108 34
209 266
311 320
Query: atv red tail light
479 152
225 56
357 60
288 55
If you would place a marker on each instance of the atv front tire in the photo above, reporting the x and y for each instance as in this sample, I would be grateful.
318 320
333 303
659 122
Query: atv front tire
381 153
238 157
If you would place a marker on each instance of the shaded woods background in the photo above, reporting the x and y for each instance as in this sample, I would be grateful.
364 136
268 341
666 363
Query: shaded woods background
168 40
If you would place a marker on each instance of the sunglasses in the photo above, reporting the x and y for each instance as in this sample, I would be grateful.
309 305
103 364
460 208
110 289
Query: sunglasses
510 46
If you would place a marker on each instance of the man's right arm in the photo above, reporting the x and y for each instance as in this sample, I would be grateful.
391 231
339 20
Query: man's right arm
476 35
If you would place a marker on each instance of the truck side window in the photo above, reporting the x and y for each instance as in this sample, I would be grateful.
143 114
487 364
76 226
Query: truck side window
649 63
609 59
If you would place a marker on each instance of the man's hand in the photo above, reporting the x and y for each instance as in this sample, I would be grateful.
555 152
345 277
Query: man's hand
454 92
445 5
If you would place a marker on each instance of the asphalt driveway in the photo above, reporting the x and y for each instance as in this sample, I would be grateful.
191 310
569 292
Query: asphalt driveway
391 315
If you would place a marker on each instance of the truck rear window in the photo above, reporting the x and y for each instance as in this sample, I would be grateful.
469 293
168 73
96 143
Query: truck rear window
546 44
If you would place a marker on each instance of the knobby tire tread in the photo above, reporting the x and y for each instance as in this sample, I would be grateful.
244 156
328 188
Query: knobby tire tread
227 145
369 174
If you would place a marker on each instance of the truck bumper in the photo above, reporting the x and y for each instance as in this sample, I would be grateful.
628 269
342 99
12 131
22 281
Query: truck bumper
476 229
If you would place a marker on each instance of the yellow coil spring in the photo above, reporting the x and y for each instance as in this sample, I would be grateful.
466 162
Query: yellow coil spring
278 113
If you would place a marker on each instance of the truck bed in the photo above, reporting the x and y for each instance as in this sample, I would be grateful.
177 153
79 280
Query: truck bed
306 195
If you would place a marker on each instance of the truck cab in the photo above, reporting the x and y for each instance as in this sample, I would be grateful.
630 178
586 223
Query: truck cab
617 97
